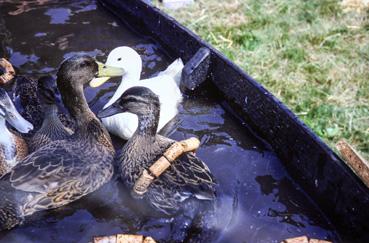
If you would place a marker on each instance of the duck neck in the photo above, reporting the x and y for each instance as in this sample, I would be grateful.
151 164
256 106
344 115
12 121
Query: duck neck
128 80
88 126
148 123
77 106
50 113
6 140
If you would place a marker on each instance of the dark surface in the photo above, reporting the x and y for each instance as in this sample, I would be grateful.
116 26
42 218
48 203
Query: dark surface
332 185
195 71
257 199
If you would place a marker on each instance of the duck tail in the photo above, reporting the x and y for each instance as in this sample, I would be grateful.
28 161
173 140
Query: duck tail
174 70
10 214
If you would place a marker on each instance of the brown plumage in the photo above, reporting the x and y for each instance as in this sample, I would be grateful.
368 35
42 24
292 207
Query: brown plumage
52 129
21 151
64 170
187 179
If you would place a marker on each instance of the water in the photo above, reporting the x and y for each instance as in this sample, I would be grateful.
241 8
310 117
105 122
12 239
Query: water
257 200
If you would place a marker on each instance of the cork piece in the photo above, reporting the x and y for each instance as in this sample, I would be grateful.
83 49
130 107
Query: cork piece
160 166
130 238
352 158
142 184
163 163
301 239
319 241
9 71
304 239
149 240
123 238
105 239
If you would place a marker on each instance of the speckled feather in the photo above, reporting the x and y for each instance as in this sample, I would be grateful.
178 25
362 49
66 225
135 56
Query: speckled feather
26 90
21 151
63 171
187 176
50 131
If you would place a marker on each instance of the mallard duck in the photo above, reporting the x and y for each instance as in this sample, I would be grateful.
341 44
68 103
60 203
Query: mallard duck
26 91
12 146
52 128
64 170
188 177
165 85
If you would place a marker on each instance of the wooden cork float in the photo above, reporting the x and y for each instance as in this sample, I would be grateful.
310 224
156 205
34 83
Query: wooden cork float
123 238
8 71
163 163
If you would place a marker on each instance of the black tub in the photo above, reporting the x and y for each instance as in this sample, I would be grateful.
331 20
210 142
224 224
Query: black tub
277 179
316 168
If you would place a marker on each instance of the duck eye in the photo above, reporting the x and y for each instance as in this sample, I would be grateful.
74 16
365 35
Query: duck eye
84 64
119 59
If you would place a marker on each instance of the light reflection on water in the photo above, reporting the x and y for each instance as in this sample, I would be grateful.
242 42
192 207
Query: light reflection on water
257 200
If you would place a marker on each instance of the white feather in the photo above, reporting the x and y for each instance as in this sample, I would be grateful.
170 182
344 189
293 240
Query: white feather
165 85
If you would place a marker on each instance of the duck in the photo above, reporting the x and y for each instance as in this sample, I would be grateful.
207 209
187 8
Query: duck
13 148
165 85
31 107
188 177
62 171
52 128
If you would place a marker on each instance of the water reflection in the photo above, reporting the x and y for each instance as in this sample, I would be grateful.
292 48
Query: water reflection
257 200
59 15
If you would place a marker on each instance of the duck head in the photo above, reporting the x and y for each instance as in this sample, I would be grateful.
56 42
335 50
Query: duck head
74 73
9 113
79 70
126 58
140 101
137 100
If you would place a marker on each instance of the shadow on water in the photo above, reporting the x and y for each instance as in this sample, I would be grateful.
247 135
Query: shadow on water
257 200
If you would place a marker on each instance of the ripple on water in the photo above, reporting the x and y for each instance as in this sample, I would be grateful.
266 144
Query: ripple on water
257 200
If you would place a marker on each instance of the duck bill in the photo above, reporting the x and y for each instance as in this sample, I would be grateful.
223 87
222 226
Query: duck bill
18 122
110 111
105 72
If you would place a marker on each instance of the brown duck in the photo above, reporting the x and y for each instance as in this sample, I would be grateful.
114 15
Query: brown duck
65 170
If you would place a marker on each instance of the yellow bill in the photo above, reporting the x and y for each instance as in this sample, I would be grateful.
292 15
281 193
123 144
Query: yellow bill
105 72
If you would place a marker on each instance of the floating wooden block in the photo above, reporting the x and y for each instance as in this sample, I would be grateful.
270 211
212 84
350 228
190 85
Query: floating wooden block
319 241
149 240
301 239
123 238
304 239
105 239
130 238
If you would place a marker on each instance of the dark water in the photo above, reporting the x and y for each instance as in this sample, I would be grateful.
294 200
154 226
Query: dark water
257 200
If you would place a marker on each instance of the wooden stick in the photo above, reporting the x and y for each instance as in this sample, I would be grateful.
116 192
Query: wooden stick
123 238
9 71
353 159
304 239
162 164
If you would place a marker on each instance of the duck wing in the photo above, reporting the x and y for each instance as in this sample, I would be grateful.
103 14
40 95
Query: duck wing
188 173
187 177
47 169
193 175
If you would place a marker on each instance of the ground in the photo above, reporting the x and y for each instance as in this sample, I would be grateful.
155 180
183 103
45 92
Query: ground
313 55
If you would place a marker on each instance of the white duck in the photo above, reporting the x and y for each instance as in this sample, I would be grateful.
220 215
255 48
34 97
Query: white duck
165 85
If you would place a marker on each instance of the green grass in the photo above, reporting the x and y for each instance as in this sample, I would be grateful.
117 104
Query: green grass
310 54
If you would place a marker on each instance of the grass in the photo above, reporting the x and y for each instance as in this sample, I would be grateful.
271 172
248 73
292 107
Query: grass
309 53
